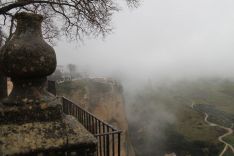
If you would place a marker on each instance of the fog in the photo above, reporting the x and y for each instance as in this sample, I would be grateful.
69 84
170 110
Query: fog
160 39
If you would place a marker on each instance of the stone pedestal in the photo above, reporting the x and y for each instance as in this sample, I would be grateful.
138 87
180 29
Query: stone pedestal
42 130
31 119
27 59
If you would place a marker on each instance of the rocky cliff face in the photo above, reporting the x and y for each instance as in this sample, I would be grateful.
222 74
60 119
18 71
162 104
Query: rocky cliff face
102 97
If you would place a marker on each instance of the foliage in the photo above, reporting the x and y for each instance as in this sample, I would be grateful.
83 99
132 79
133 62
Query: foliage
72 69
76 17
67 87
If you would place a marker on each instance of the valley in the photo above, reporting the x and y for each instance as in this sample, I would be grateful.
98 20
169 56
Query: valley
173 126
184 118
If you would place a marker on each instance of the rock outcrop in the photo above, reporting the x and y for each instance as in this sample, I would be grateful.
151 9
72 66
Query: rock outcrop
102 97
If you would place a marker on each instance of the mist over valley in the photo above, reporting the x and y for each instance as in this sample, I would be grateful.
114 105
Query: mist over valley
168 55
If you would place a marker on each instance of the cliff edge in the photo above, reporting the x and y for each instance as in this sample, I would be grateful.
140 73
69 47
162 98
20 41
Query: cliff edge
102 97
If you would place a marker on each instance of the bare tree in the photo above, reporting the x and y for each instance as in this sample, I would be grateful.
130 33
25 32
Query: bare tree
3 79
1 38
76 17
72 70
56 76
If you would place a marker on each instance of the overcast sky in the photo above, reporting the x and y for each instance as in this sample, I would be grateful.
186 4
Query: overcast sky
174 38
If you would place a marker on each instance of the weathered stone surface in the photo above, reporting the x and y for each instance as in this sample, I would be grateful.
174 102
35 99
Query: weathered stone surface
31 112
44 136
27 92
27 59
27 55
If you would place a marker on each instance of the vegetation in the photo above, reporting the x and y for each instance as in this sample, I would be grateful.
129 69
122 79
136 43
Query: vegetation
230 140
171 125
162 120
77 17
67 87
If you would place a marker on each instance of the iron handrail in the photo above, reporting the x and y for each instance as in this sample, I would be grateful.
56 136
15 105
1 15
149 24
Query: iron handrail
109 137
91 114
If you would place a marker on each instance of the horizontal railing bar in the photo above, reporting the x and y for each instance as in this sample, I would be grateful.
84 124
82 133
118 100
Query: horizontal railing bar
117 132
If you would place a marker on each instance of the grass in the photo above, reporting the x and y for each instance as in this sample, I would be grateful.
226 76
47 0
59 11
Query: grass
177 99
191 124
68 87
230 139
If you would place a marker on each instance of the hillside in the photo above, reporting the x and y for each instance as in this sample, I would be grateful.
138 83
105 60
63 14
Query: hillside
163 118
172 125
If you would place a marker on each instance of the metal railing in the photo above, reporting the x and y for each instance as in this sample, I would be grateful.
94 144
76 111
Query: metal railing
109 138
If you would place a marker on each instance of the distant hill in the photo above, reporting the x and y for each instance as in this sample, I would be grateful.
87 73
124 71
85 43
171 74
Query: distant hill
169 124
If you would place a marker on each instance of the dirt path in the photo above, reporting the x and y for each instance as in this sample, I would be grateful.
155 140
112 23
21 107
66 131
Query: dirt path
229 132
220 138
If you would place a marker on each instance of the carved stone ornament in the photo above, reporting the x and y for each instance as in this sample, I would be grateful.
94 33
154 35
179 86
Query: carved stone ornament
27 59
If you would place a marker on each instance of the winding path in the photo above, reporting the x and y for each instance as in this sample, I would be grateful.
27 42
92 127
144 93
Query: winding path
220 138
229 132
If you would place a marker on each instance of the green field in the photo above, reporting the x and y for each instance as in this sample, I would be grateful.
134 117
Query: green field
186 133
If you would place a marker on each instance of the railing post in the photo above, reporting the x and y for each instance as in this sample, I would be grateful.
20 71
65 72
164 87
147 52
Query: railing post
104 139
113 144
100 138
89 123
93 126
107 142
83 118
119 142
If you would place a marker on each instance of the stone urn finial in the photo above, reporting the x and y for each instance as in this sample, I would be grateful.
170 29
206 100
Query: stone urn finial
27 59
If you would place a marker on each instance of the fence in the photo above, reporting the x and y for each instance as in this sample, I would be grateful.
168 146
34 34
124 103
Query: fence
109 138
